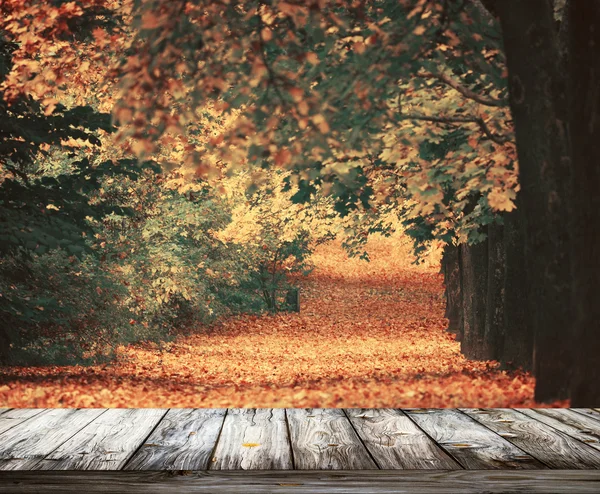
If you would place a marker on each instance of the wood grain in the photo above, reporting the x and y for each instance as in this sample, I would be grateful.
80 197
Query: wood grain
395 442
327 482
15 416
470 443
183 440
576 425
589 412
554 448
105 443
324 439
24 445
253 439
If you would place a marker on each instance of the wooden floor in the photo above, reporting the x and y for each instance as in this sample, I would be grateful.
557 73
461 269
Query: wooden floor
300 450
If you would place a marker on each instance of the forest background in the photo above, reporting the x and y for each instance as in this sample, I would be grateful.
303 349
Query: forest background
167 164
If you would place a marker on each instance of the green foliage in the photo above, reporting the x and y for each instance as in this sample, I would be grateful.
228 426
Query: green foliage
121 255
55 307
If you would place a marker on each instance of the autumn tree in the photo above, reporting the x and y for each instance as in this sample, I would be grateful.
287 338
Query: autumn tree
550 74
421 123
583 40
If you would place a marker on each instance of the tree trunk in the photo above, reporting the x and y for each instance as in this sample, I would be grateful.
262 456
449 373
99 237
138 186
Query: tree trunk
518 330
474 264
538 110
292 299
494 321
4 347
451 270
584 20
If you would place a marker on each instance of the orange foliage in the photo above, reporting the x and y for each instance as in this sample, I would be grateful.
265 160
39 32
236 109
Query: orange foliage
369 335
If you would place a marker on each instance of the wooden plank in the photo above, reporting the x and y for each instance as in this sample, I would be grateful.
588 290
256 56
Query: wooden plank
15 416
395 442
183 440
574 424
554 448
315 482
24 445
324 439
106 443
589 412
253 439
470 443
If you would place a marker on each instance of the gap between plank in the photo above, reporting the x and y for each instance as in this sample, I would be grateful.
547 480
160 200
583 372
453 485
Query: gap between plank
287 424
212 453
444 450
68 438
507 438
552 427
144 441
42 410
361 439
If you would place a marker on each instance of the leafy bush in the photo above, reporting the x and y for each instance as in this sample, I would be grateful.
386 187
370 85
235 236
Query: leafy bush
57 308
116 253
276 233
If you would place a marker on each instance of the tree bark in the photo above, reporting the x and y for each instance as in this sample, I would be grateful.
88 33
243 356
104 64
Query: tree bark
474 268
451 270
584 53
494 321
518 330
4 347
536 91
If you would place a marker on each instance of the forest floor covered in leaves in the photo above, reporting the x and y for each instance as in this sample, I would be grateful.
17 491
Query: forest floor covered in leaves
368 335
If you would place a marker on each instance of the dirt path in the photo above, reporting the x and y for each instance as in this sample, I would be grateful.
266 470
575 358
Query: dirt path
368 335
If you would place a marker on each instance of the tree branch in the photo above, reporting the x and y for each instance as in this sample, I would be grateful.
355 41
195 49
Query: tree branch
498 139
466 92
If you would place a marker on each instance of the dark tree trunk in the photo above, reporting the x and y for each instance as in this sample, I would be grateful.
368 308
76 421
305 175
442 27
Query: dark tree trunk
451 271
538 110
4 347
494 321
292 299
518 330
474 268
584 20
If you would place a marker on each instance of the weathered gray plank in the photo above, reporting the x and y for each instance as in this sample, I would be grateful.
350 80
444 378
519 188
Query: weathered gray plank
24 445
554 448
470 443
183 440
15 416
590 412
293 482
395 442
324 439
574 424
253 439
106 443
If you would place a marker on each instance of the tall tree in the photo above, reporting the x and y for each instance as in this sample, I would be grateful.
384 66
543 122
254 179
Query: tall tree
584 54
537 99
